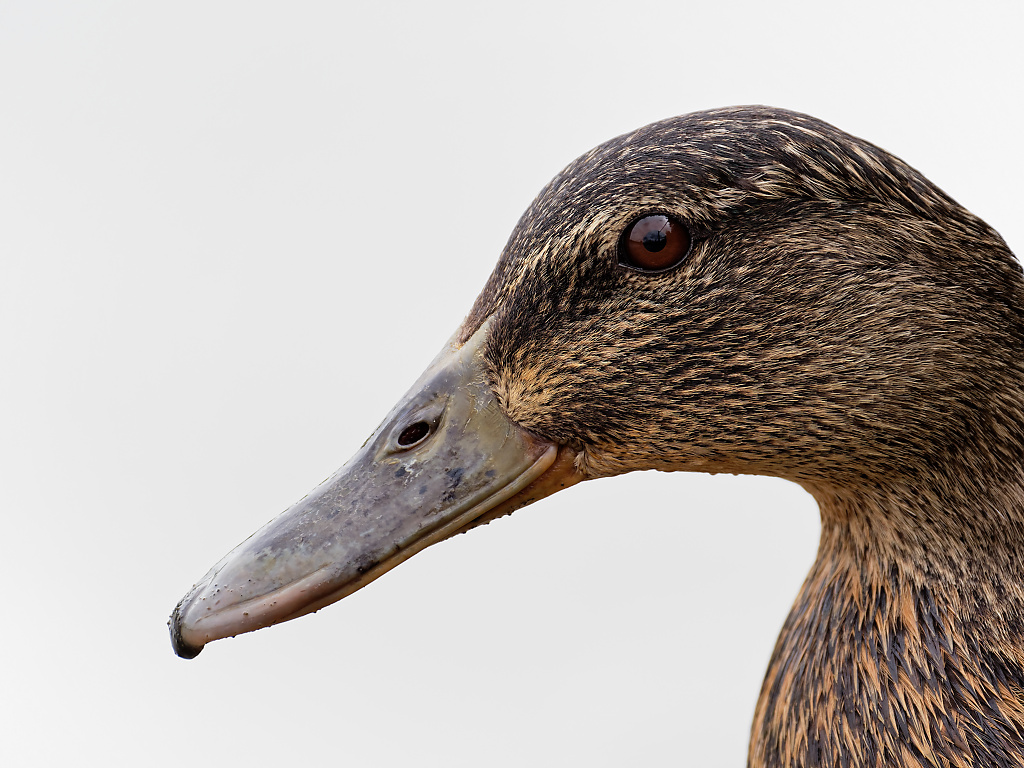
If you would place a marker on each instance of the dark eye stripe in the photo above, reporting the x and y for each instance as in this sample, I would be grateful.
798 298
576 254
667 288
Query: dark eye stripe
654 243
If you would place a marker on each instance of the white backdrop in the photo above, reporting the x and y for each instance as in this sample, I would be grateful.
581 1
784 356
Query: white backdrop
232 234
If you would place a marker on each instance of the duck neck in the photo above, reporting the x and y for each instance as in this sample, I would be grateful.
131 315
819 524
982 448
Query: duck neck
905 646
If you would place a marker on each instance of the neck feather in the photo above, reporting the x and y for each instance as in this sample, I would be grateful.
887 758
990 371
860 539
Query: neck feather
905 646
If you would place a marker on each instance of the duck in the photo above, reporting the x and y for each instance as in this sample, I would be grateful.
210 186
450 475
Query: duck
743 290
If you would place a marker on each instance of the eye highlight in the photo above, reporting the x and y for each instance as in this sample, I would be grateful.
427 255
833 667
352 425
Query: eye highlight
654 244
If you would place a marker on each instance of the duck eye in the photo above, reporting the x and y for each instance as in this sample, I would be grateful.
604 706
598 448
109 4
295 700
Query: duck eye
654 244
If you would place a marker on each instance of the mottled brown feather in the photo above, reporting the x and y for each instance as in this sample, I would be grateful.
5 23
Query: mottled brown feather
842 323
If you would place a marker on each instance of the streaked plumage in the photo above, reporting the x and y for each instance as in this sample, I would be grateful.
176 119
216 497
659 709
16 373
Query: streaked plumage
839 322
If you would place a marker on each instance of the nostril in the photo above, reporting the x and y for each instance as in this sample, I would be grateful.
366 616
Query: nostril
413 434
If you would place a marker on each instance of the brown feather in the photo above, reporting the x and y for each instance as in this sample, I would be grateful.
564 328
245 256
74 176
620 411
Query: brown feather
842 323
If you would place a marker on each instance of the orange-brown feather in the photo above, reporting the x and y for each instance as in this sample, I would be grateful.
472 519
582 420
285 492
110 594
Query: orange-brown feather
839 322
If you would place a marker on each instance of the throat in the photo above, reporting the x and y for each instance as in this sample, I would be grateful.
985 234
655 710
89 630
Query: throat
905 646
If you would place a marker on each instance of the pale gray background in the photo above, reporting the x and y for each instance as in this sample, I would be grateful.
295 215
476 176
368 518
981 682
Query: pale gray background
232 234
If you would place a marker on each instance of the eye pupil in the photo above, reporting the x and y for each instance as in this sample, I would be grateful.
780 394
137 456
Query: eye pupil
654 243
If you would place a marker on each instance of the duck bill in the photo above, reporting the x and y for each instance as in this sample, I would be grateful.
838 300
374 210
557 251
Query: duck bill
444 460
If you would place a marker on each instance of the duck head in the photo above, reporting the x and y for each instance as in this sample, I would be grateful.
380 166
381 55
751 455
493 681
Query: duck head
744 290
